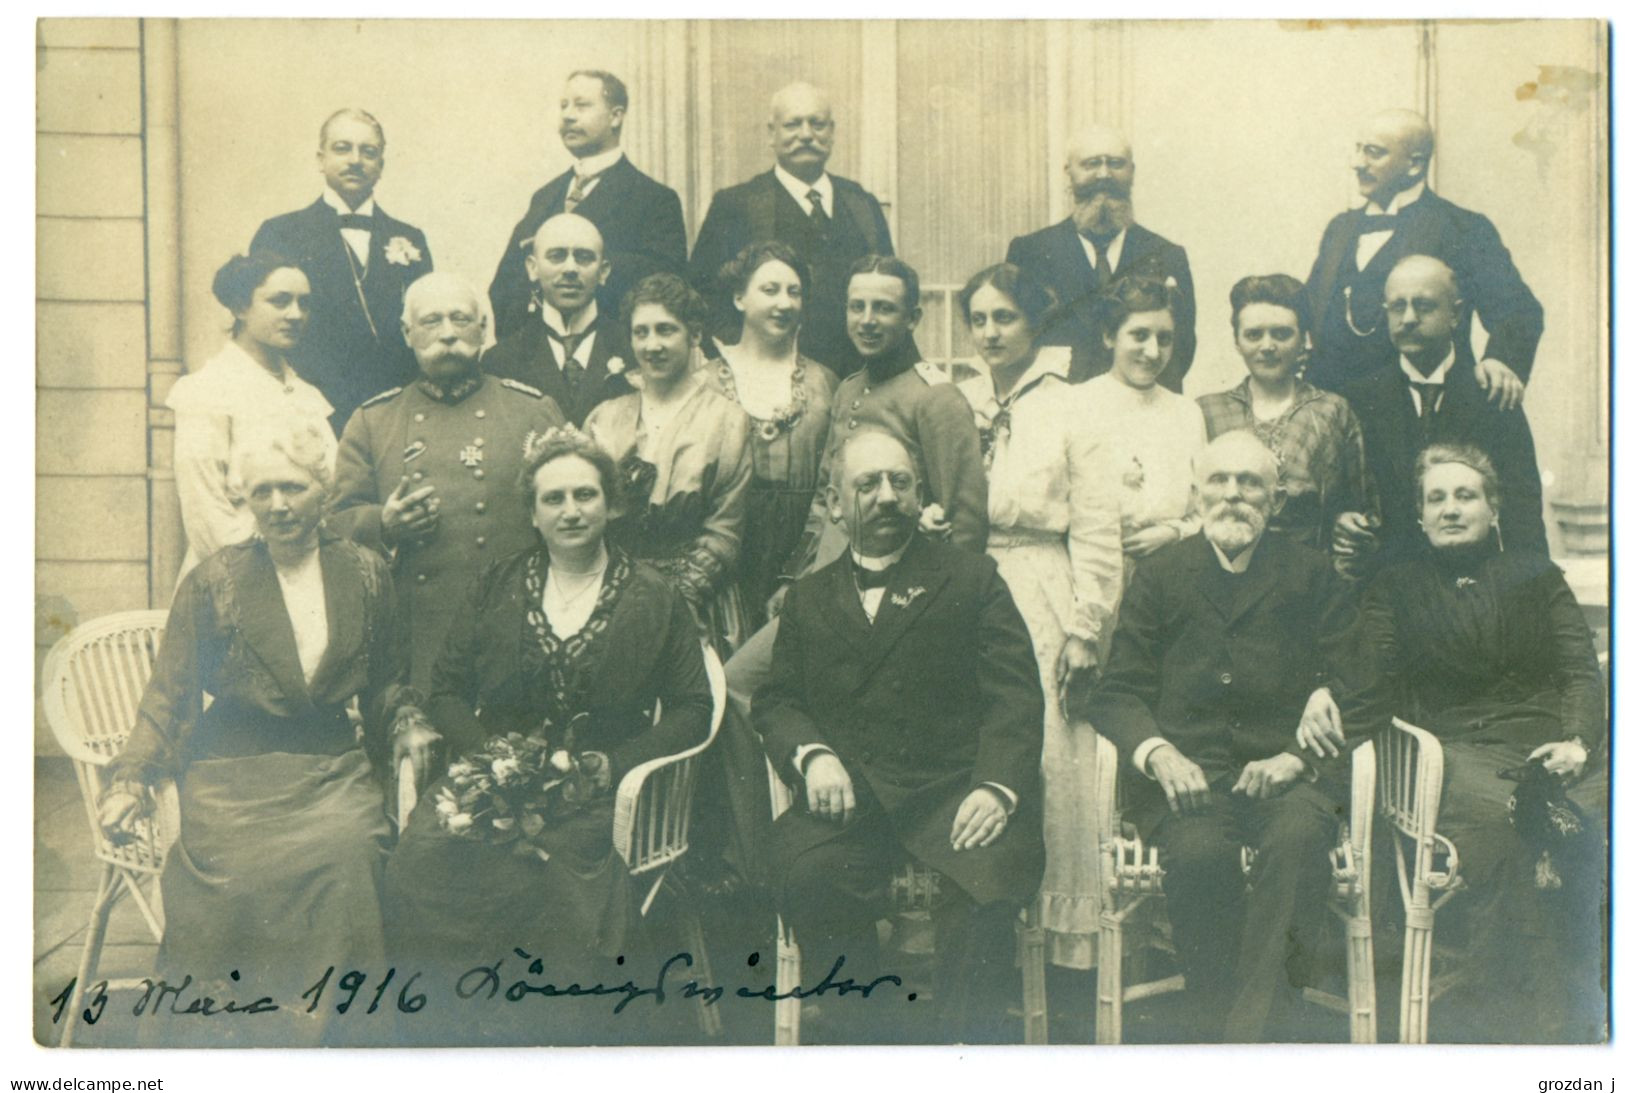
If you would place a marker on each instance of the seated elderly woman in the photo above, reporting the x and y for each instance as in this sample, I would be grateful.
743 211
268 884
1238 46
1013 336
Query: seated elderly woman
276 871
574 643
1488 651
1313 433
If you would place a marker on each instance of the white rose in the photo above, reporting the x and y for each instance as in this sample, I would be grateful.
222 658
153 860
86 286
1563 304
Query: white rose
459 822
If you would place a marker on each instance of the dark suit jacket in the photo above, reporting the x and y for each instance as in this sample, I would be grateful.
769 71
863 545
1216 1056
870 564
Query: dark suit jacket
1220 665
1056 255
762 209
1393 440
650 652
526 355
642 225
345 357
929 701
1465 241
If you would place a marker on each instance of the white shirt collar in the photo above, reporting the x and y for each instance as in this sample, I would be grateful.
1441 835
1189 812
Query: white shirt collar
1400 200
878 562
1114 249
554 318
798 189
333 199
1050 360
1439 373
1241 561
594 165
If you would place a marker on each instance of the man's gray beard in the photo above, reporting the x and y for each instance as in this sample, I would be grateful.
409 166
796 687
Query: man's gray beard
1233 534
1103 214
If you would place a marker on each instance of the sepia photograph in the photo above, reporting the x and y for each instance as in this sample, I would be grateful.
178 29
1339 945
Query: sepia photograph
864 532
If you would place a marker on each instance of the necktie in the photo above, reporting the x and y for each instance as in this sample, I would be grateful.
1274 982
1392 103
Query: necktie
869 579
354 222
1378 222
1428 395
578 192
1103 262
571 342
820 216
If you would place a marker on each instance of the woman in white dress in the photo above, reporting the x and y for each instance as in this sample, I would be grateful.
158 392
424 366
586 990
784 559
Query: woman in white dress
1053 529
250 381
1151 436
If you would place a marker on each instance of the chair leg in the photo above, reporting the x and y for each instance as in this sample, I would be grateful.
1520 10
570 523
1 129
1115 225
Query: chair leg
787 1010
108 891
1034 1000
1362 986
694 935
1109 980
1414 981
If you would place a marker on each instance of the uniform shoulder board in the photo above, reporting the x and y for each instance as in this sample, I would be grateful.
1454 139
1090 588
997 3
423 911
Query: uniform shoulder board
382 396
525 387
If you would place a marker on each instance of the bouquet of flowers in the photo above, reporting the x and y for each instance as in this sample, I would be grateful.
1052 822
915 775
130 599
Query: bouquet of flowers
509 791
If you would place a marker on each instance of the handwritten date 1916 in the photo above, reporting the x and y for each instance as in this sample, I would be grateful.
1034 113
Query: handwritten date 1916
161 998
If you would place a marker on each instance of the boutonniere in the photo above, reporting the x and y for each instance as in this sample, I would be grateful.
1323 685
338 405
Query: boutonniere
399 251
615 366
903 599
1464 582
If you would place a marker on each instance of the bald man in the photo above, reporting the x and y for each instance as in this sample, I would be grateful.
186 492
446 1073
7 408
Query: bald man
641 220
359 260
1428 394
830 221
1098 245
1398 215
567 348
429 473
1225 643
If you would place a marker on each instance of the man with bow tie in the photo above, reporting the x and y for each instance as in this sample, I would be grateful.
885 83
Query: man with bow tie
1428 394
904 707
1398 215
567 349
360 261
830 221
1225 644
641 220
428 474
1097 246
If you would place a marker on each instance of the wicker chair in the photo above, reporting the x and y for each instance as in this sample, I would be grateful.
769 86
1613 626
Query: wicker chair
1410 778
93 681
1131 878
913 889
652 808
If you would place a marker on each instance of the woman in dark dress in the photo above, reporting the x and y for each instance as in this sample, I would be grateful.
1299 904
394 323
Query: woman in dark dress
275 874
572 633
1490 653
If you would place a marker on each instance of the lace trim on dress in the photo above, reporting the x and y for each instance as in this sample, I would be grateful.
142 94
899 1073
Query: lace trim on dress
783 418
558 671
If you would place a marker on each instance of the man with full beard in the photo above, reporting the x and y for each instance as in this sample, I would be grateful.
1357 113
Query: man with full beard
1225 644
1098 245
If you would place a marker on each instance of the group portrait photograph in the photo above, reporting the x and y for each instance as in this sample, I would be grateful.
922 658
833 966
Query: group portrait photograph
867 533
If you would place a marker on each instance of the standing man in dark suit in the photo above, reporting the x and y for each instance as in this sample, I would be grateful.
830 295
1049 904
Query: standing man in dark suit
1428 394
360 261
641 220
905 708
1098 245
1214 665
831 222
567 348
1399 216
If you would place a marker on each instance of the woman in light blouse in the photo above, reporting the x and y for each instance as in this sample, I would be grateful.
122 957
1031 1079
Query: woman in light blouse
1053 529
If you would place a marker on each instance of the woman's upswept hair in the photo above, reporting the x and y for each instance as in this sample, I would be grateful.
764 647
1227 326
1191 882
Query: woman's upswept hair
235 282
1280 289
1133 295
566 440
743 266
1031 296
304 443
1437 455
670 292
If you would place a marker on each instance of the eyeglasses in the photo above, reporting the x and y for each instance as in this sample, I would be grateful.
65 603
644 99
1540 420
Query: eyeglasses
901 481
459 320
1423 307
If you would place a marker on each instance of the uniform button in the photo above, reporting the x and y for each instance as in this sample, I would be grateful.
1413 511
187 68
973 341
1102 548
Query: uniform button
479 442
417 476
423 578
479 540
479 472
479 506
856 403
1224 677
417 417
479 413
853 424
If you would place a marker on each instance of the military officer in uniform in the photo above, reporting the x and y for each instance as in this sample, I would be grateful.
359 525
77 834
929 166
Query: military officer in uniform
430 471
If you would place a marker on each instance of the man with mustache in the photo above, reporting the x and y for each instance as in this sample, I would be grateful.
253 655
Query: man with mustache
1220 644
1397 216
428 474
566 349
1427 393
640 219
904 707
829 221
1098 245
359 260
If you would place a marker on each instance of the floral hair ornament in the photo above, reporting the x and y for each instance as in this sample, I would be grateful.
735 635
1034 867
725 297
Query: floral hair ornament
534 442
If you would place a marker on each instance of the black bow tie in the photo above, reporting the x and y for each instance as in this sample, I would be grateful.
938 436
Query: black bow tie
869 579
356 221
1378 222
